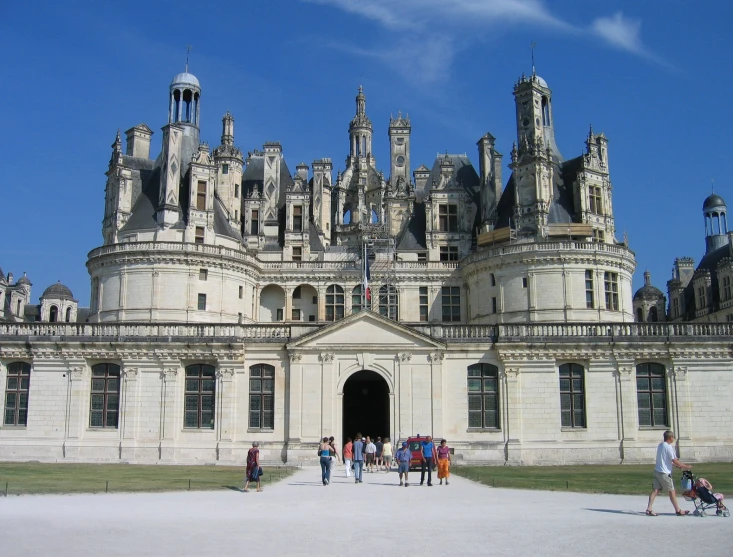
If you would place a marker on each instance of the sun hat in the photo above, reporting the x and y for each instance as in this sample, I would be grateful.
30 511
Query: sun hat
404 443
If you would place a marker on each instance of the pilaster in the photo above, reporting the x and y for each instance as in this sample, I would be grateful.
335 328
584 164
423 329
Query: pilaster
512 413
328 388
436 392
78 393
295 390
404 377
169 422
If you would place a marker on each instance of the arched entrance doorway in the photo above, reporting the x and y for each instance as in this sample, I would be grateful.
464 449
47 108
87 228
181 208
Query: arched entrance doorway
366 405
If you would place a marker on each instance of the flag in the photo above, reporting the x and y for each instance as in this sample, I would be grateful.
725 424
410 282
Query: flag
367 275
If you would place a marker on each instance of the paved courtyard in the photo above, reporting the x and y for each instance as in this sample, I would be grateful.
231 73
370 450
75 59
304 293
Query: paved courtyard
299 516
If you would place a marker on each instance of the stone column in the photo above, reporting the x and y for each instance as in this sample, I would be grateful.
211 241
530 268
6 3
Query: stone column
79 389
328 392
348 302
295 390
436 392
627 405
405 400
512 415
129 410
170 423
680 410
321 310
226 409
288 303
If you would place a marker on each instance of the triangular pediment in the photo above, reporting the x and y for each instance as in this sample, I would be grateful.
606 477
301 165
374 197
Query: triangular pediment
366 329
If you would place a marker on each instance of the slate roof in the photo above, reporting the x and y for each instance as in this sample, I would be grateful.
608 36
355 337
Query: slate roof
413 236
254 175
58 290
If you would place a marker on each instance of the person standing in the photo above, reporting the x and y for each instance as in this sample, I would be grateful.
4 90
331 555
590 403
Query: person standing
378 455
444 462
348 455
253 467
370 450
324 451
358 450
333 453
666 460
428 458
403 457
387 454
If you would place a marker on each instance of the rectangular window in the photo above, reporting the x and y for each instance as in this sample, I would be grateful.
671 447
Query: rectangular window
702 301
493 305
255 223
295 314
451 299
261 397
225 169
651 395
296 293
448 218
675 307
572 396
105 396
610 281
483 396
201 196
202 302
236 191
16 394
199 397
524 282
599 236
449 253
492 279
423 303
203 274
422 257
590 300
297 218
726 289
199 235
297 253
241 291
594 198
279 314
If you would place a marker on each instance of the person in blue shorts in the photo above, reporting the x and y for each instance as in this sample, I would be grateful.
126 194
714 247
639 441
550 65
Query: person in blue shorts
403 457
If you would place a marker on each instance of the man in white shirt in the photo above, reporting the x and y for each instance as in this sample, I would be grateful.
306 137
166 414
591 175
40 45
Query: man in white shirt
666 460
370 450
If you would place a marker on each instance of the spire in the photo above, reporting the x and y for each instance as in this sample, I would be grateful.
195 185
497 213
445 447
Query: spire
188 51
227 133
117 145
361 102
532 46
647 278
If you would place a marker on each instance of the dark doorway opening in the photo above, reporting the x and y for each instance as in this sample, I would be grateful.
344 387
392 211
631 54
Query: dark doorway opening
366 406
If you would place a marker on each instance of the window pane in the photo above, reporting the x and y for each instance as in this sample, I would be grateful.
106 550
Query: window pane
267 403
112 402
474 402
565 419
657 383
192 371
491 419
254 419
565 402
111 419
207 403
207 386
565 385
192 402
97 402
12 383
207 419
255 403
99 371
642 384
658 400
268 371
643 401
192 385
24 382
474 371
268 385
255 371
10 399
254 385
490 402
95 419
9 416
578 403
22 417
660 418
474 419
98 385
577 385
268 420
474 385
490 384
113 384
22 400
191 419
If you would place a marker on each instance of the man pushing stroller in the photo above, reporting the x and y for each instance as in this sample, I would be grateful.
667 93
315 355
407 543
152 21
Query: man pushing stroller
666 460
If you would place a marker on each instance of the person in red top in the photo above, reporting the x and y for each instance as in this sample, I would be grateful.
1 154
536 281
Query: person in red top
253 467
443 461
348 454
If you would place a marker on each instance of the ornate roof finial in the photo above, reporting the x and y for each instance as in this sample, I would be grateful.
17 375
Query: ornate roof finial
532 46
188 51
117 145
712 185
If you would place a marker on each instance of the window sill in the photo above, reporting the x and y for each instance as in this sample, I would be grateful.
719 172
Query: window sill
571 429
653 427
13 427
260 430
483 430
198 430
115 429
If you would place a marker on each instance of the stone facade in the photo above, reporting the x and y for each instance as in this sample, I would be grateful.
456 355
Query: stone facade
233 301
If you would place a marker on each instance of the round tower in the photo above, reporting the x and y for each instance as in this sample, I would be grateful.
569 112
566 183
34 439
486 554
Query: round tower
650 304
360 129
185 97
716 222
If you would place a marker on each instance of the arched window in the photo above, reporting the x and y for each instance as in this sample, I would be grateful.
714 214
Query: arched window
389 302
53 314
334 303
545 112
358 302
16 393
653 317
651 394
199 404
261 397
639 315
572 395
347 216
68 315
105 396
375 217
483 396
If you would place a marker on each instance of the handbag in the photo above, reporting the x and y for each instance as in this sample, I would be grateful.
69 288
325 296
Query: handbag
260 472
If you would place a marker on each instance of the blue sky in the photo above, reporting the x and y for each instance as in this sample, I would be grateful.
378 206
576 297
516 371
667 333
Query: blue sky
655 77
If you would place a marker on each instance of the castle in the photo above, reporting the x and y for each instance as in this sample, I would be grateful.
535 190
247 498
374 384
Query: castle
233 300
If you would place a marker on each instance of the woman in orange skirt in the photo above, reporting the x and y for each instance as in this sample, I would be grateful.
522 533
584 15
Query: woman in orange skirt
443 462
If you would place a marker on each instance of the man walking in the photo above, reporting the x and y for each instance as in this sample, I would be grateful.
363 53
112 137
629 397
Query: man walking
370 449
666 460
378 456
358 452
428 457
403 456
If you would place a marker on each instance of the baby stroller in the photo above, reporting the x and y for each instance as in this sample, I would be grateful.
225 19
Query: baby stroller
700 492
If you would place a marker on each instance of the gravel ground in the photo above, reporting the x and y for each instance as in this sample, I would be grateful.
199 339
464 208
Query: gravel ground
300 516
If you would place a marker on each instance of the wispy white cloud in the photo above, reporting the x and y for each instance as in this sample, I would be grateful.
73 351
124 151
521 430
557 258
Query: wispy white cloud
463 21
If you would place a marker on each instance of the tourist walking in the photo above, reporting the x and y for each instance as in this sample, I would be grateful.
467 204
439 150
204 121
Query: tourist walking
324 451
444 462
253 467
666 460
333 453
348 455
387 454
403 457
378 455
428 459
370 449
358 450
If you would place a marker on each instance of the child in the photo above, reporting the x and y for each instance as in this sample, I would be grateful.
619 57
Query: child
403 457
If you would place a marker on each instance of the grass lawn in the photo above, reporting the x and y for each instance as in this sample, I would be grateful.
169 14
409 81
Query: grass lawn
30 477
622 479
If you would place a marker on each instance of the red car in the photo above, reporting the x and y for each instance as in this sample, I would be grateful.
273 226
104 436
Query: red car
415 446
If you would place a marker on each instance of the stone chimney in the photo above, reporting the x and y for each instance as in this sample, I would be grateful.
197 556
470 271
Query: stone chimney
138 141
